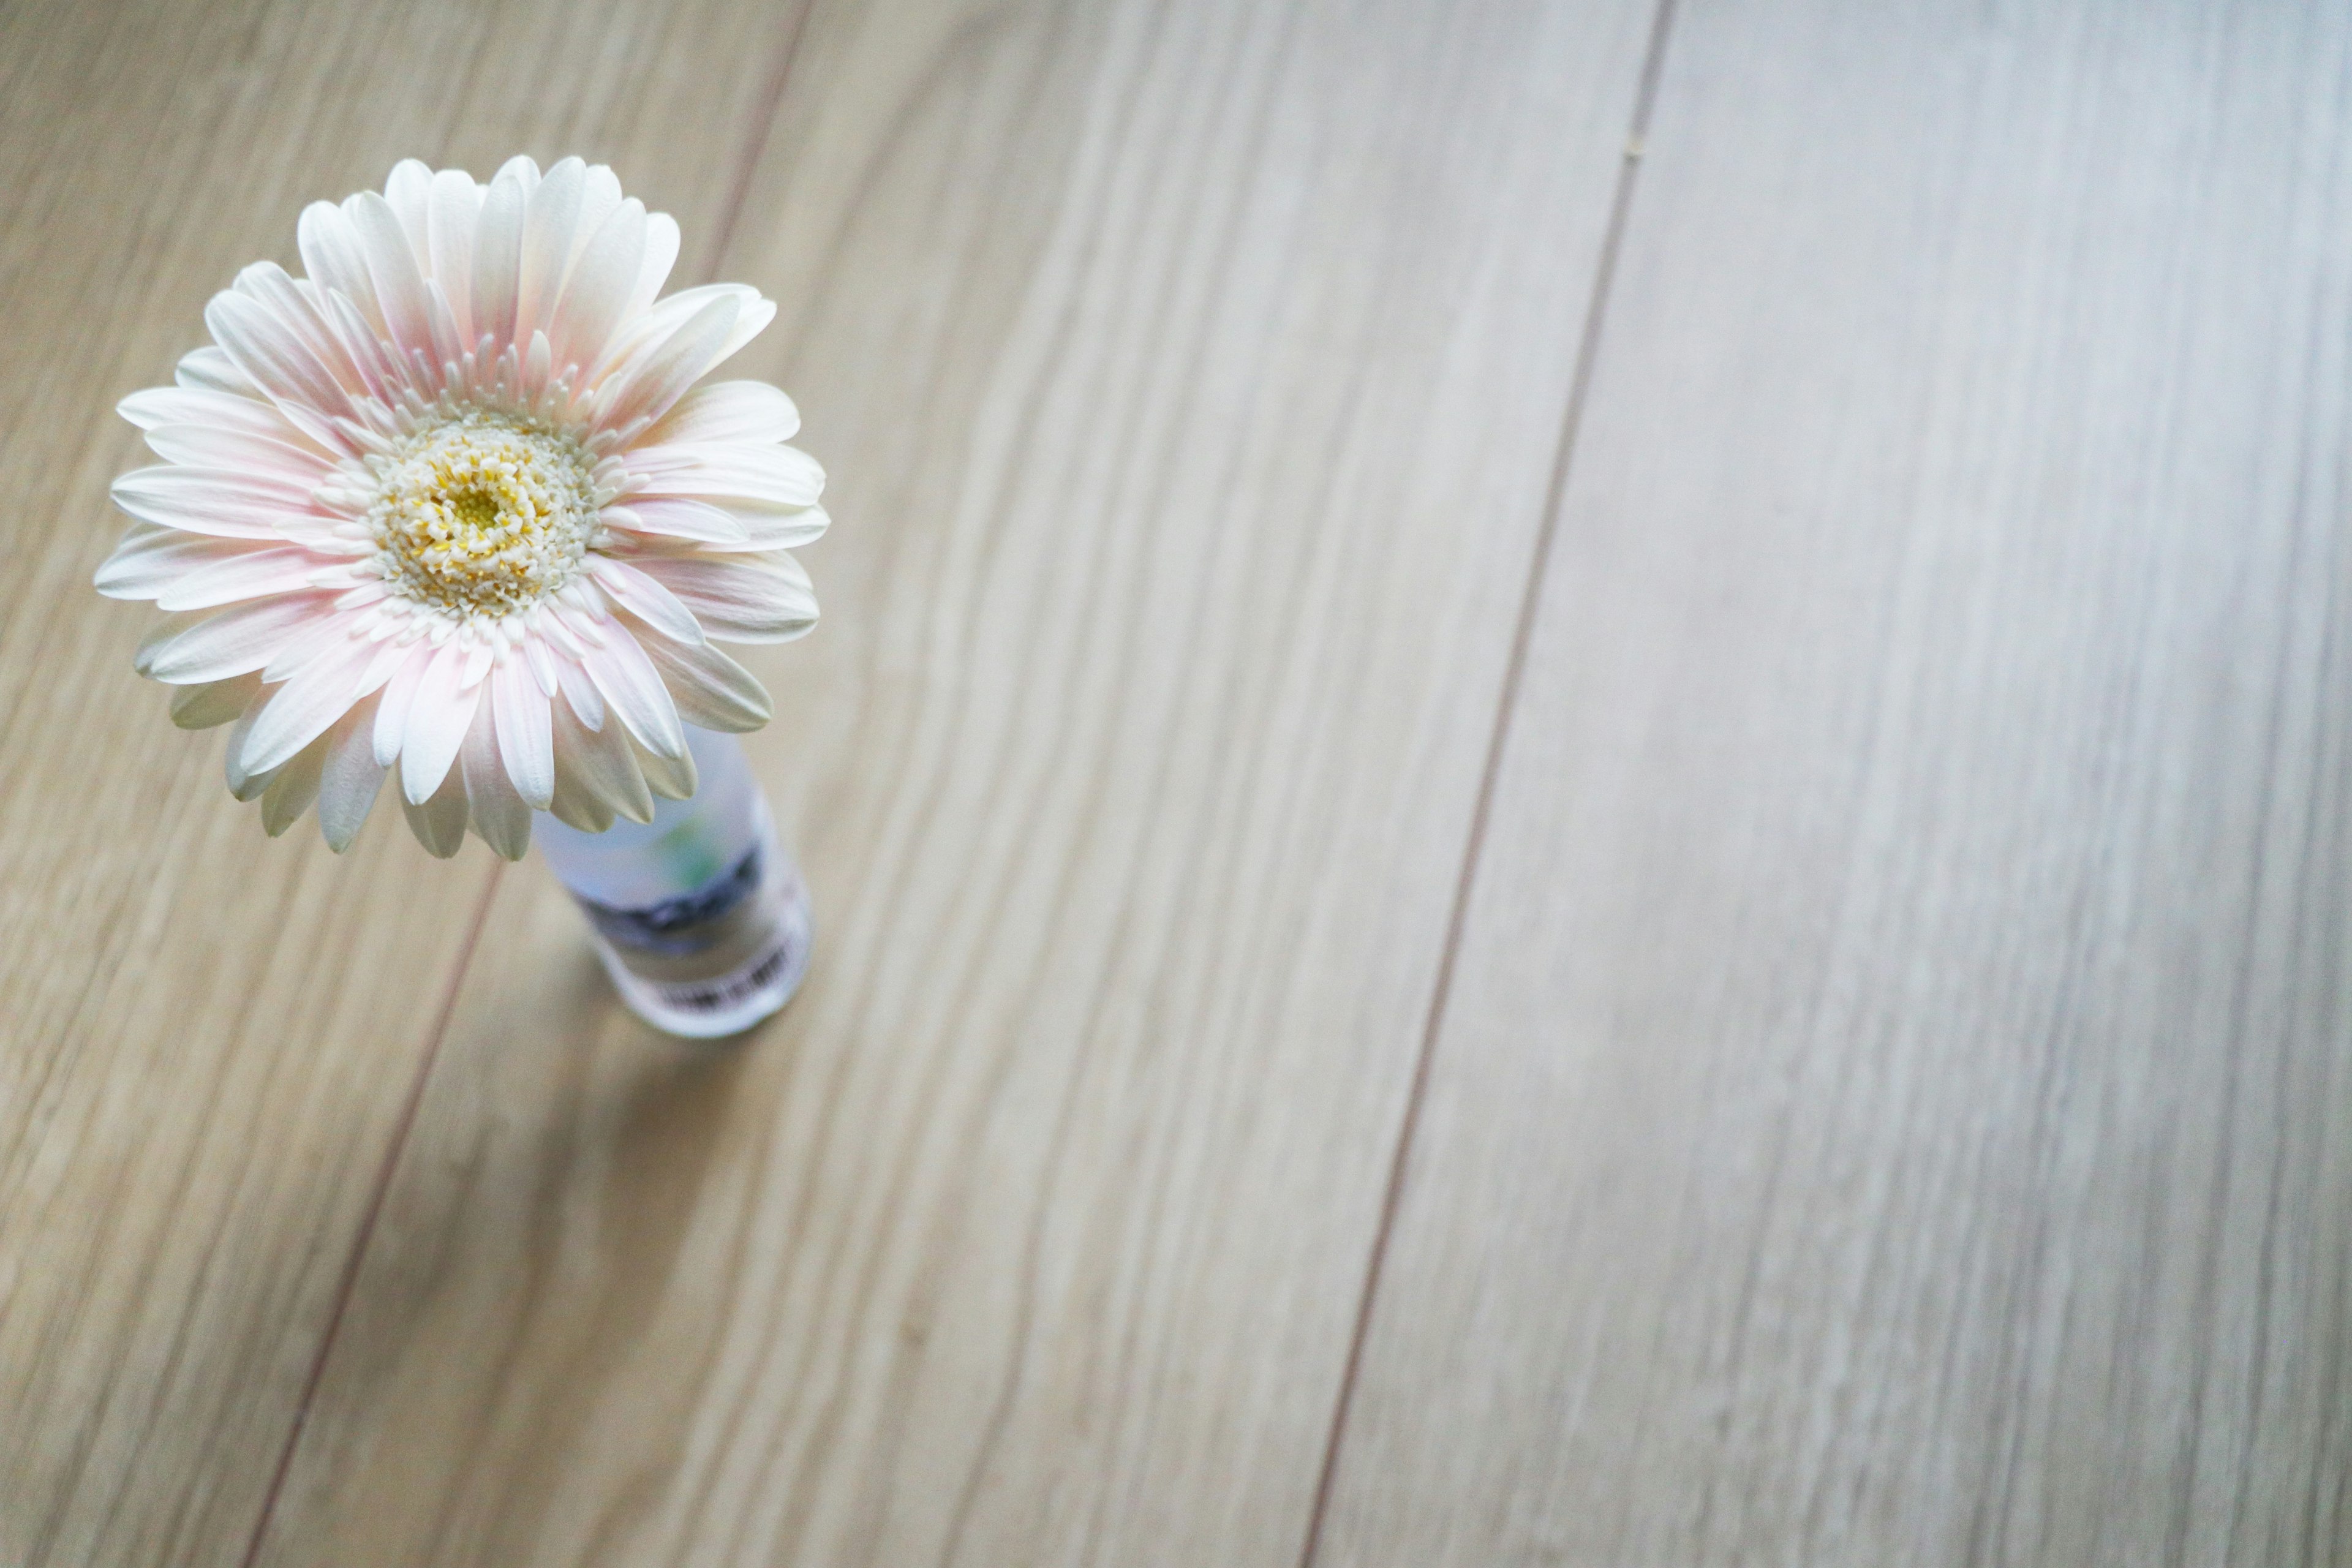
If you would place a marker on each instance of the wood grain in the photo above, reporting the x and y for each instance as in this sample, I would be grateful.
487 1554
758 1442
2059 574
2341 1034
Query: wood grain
207 1040
1192 377
1893 1105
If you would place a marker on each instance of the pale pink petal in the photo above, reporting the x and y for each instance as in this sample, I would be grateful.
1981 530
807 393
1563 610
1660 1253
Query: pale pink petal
150 559
215 501
727 411
740 598
392 266
235 641
630 685
266 283
247 574
525 739
498 812
159 406
272 353
643 597
648 330
438 716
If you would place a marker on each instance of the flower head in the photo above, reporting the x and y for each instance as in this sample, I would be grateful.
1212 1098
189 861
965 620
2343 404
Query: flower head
453 506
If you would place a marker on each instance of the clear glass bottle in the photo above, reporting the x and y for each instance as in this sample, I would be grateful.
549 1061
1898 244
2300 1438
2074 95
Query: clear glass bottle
699 916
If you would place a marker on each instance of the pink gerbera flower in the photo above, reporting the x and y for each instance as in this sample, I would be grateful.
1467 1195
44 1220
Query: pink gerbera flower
453 507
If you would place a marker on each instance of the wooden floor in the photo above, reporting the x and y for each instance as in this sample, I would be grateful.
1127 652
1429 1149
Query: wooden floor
1579 784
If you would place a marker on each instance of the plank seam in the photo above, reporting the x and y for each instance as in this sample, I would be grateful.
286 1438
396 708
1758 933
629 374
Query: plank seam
348 1286
1530 599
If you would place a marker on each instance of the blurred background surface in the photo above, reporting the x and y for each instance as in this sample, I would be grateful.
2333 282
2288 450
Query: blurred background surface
1577 789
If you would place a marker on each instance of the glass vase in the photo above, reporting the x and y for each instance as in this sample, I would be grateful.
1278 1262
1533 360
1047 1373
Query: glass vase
699 916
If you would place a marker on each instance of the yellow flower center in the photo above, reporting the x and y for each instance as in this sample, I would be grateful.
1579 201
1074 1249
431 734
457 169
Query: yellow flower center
484 514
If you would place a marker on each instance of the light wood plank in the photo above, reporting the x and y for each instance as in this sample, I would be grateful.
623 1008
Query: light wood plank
1191 376
207 1039
1893 1106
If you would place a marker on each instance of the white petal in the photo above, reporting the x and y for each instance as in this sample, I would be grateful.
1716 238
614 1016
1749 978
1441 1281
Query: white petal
334 259
223 504
208 369
599 193
440 823
549 219
438 717
661 255
455 209
150 559
497 260
628 683
747 475
727 411
526 745
599 285
649 384
596 775
672 778
499 813
522 168
349 782
677 519
241 785
292 788
392 710
710 689
740 598
641 596
580 693
407 193
302 710
266 283
213 703
246 574
212 445
392 267
235 641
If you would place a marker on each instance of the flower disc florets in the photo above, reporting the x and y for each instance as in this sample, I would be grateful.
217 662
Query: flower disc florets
483 514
